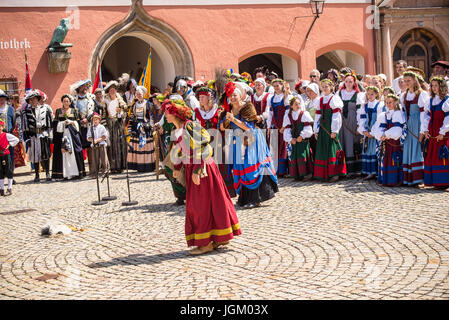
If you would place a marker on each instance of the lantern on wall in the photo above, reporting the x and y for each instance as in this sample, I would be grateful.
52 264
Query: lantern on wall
317 7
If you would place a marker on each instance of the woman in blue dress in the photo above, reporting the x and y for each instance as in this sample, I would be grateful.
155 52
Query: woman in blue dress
368 114
413 102
255 178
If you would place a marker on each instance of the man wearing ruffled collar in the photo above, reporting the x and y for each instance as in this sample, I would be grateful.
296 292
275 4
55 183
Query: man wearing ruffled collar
84 102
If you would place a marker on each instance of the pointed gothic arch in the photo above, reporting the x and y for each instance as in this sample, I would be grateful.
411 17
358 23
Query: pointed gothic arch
175 54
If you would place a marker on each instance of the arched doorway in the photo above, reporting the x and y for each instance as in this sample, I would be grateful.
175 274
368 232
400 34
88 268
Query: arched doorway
420 48
337 59
129 54
124 48
284 66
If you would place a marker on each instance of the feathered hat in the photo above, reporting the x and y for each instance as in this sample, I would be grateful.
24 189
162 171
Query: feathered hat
111 84
74 87
31 94
3 94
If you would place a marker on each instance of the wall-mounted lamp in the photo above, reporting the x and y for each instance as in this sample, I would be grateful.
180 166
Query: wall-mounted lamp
317 7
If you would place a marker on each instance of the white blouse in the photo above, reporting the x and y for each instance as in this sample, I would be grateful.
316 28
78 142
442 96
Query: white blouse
362 117
206 115
423 100
306 132
347 95
335 103
425 124
278 98
257 98
394 132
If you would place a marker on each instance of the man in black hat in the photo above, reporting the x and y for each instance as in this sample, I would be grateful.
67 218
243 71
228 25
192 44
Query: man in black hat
441 68
36 120
84 102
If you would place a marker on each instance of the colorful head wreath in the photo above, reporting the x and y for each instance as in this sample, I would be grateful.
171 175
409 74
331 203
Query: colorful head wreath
437 78
393 96
204 91
277 80
328 81
375 89
418 71
177 108
390 89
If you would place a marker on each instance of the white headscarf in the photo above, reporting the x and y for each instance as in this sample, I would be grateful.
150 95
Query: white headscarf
142 89
314 87
262 81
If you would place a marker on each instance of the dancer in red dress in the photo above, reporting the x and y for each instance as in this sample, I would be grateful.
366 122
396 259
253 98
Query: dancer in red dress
211 219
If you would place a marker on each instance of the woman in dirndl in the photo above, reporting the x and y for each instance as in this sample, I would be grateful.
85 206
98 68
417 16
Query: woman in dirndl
436 163
329 160
141 155
413 102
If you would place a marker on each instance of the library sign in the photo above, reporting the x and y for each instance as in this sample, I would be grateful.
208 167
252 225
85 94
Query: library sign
15 44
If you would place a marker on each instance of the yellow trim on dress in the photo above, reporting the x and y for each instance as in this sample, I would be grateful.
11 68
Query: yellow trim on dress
213 232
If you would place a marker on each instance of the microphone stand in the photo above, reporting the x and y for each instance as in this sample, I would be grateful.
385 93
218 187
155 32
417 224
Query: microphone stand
109 197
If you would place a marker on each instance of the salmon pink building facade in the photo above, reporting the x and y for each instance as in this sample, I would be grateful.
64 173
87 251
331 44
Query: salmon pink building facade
186 37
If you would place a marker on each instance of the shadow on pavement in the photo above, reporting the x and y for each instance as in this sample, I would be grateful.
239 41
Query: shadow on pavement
156 208
139 259
357 185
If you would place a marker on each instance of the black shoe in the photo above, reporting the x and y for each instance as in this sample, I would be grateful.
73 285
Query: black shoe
2 193
14 182
36 179
179 202
8 192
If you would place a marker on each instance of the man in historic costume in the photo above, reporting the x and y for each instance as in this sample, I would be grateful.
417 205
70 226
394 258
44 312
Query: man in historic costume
116 111
8 116
84 102
36 120
181 88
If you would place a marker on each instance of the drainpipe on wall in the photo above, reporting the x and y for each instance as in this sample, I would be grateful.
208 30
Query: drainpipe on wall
373 3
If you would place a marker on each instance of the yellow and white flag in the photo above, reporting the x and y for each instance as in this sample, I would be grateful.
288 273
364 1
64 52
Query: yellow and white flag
145 79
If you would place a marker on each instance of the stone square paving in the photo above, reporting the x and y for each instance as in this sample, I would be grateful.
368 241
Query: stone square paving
348 240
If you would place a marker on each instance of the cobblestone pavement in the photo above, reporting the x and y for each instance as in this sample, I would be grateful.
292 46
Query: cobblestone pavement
348 240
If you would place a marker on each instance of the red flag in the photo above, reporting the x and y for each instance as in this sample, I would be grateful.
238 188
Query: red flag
98 81
27 76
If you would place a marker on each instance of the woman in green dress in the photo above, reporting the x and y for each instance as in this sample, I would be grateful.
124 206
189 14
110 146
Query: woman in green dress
329 163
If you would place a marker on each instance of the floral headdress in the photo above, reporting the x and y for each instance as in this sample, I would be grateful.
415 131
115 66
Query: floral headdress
177 108
204 91
437 78
418 71
327 80
393 96
374 88
390 89
277 80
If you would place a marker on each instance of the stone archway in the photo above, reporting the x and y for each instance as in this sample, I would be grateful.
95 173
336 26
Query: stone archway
420 48
173 51
282 60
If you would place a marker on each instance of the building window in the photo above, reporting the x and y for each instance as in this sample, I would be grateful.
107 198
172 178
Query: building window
415 50
9 84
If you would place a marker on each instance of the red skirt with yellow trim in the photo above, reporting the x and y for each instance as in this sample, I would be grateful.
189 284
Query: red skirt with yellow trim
210 213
